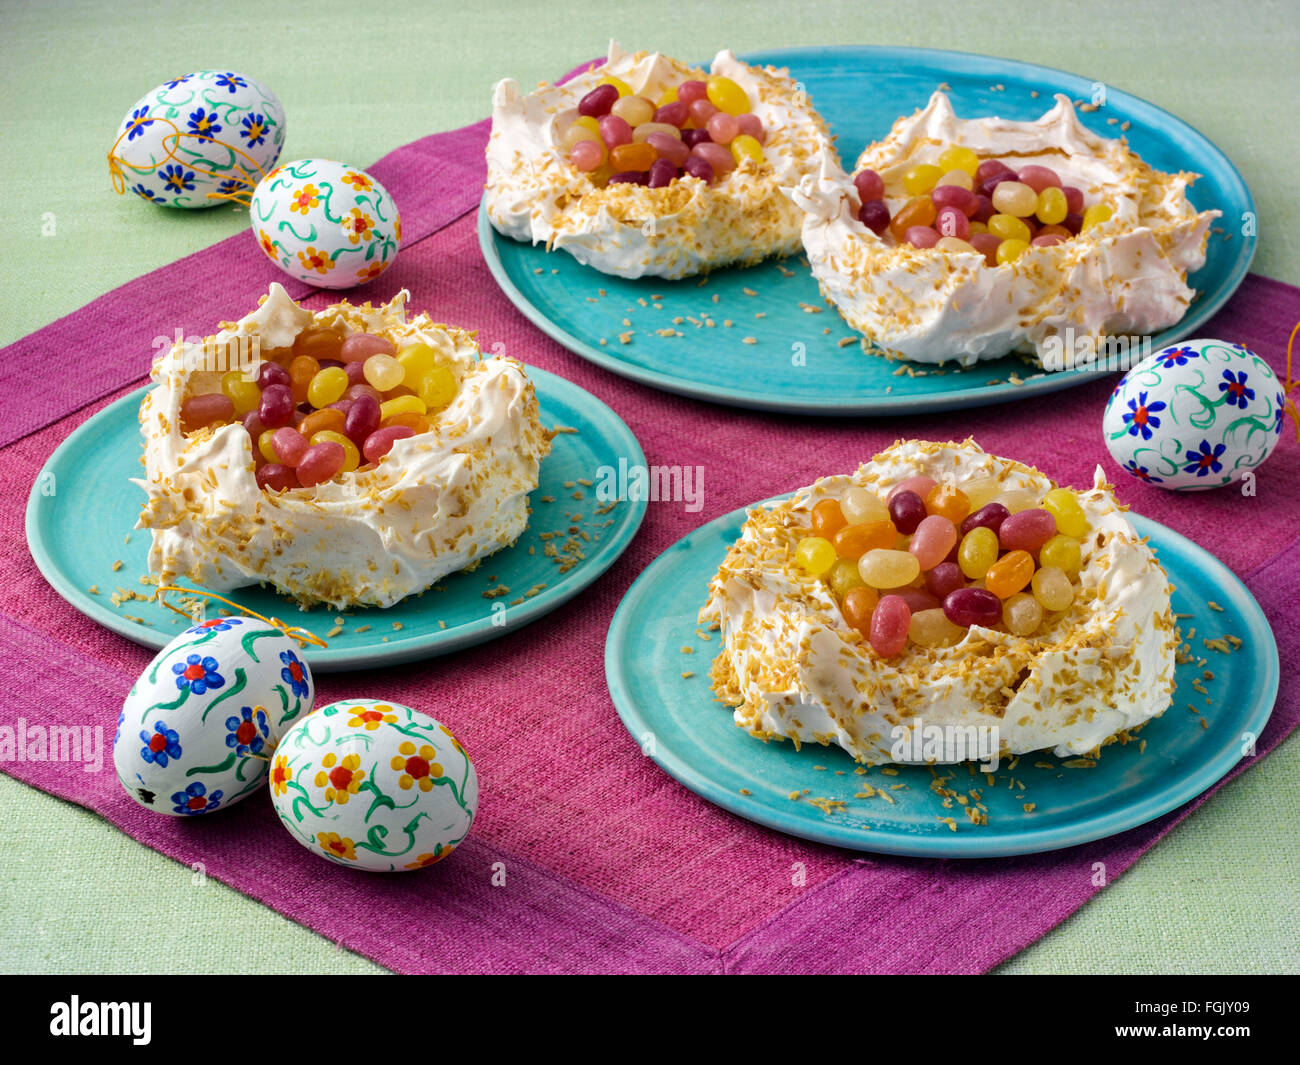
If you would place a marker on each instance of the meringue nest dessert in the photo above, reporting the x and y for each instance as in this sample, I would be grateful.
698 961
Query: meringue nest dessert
346 456
1100 246
945 586
644 166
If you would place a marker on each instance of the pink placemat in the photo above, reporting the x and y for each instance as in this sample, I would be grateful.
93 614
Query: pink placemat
610 865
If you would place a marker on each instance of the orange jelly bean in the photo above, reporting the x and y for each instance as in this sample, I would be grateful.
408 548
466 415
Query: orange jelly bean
857 608
948 502
301 370
636 156
854 541
1009 574
417 423
827 518
327 420
918 212
319 344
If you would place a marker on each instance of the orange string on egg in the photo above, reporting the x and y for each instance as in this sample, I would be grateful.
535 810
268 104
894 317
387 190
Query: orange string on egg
241 174
294 632
1289 384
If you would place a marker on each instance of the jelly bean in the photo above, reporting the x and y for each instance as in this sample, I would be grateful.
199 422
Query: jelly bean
944 578
276 406
959 158
746 147
320 420
1010 250
692 137
931 628
870 185
1096 215
1051 207
590 124
253 424
630 177
598 102
857 607
317 344
1009 574
1038 178
954 245
361 420
918 212
726 95
1073 223
723 128
272 373
276 478
717 156
1022 614
319 463
854 541
1054 231
952 222
587 156
957 179
643 132
987 245
288 445
381 441
690 91
632 157
827 518
615 131
329 385
815 555
844 577
1061 552
402 405
675 113
963 200
907 510
301 370
921 178
919 484
355 392
978 551
701 111
874 215
917 599
980 490
633 109
1015 198
1049 241
1073 198
990 168
886 568
1052 589
1027 530
623 88
351 455
266 444
356 372
662 174
575 135
698 167
1008 227
889 624
932 541
921 236
672 149
984 209
752 126
1064 506
990 516
972 606
978 227
860 506
947 500
244 395
417 423
989 186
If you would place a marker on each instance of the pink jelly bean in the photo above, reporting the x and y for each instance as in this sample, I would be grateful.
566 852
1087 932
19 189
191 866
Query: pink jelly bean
630 177
874 215
320 462
932 541
276 406
692 137
276 478
984 209
1027 530
985 188
272 373
356 372
662 174
917 599
972 606
944 578
1073 199
1038 177
921 485
381 441
718 157
362 420
669 147
701 112
987 245
906 510
690 91
952 222
614 131
198 411
598 102
252 423
955 196
889 623
357 391
673 114
1073 222
723 128
344 405
989 516
990 168
921 236
1048 241
289 445
698 167
587 155
870 185
360 346
751 125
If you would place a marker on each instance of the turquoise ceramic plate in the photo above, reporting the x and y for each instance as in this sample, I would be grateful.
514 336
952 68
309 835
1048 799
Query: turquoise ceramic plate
860 91
677 722
82 508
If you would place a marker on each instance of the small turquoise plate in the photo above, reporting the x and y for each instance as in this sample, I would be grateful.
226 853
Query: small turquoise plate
82 509
860 91
676 721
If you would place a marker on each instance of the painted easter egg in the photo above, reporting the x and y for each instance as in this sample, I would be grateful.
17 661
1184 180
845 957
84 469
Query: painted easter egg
329 224
199 725
374 785
1200 414
198 139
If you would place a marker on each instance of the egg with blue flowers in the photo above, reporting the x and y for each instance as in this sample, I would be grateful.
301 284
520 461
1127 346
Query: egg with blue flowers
1200 414
198 728
198 140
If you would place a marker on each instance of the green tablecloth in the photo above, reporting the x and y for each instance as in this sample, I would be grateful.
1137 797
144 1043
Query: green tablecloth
1220 894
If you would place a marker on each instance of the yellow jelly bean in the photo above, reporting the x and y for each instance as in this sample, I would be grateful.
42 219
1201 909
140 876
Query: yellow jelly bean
1063 505
746 147
669 96
401 405
956 177
242 392
1015 198
383 372
646 128
1062 552
417 360
1052 206
980 490
815 555
1017 499
633 110
1011 250
437 388
1052 589
265 446
351 456
861 507
1096 214
575 134
327 387
726 95
959 158
1022 614
844 577
588 123
1009 227
977 552
883 568
954 244
931 628
624 89
921 178
978 227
